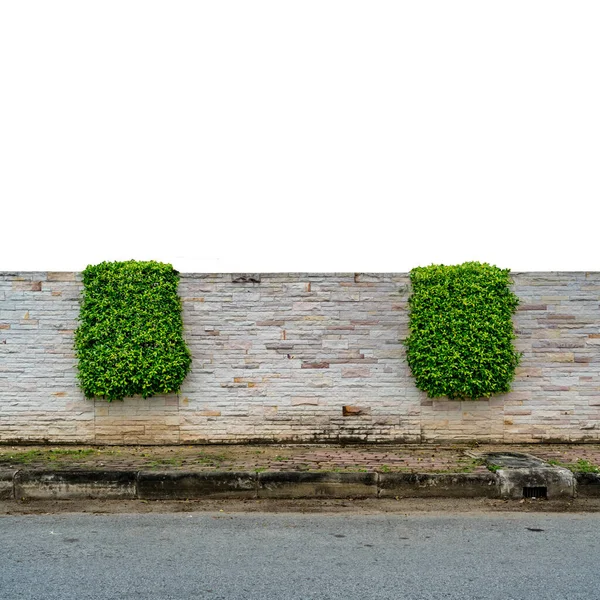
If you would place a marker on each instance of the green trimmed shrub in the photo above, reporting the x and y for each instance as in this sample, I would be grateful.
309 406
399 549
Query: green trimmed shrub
461 333
130 335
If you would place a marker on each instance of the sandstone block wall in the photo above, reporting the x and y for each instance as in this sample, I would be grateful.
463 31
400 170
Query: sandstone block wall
300 357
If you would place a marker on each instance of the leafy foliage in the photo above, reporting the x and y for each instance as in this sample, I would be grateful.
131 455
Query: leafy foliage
461 333
130 335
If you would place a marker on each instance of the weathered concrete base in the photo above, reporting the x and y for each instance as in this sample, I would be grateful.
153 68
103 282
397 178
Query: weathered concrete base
588 484
118 485
42 485
559 482
316 485
443 485
6 484
184 486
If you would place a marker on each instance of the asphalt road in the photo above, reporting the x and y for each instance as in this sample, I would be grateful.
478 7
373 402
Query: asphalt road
308 557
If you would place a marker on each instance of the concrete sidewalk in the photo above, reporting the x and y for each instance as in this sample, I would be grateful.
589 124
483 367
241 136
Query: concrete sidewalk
427 458
298 471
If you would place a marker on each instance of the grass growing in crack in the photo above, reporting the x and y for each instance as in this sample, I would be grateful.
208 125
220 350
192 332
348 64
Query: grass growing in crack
211 460
45 455
468 465
162 462
581 466
463 465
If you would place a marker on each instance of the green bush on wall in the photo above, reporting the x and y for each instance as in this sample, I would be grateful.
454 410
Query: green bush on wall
461 333
130 335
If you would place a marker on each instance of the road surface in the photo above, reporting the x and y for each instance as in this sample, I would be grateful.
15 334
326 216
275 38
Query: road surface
306 557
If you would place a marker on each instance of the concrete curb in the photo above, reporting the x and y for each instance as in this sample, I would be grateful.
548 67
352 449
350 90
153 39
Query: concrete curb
441 485
302 484
177 485
7 491
67 485
184 486
588 484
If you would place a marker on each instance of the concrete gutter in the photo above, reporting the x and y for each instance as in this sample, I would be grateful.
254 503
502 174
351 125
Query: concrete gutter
178 485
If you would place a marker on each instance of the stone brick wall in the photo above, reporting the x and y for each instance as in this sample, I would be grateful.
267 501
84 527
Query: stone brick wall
300 357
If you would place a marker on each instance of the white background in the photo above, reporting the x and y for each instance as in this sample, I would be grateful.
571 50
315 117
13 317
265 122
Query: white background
300 136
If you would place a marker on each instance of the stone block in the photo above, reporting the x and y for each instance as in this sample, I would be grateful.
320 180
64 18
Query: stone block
356 372
355 411
305 401
61 276
27 286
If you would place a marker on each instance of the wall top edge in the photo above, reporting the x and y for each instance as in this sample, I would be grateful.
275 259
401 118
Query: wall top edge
192 275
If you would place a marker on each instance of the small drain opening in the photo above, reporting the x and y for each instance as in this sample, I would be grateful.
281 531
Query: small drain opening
535 492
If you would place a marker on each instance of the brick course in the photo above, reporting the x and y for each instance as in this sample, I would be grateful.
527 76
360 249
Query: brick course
277 357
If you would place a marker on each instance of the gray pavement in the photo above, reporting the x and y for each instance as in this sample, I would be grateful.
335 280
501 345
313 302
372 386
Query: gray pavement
266 556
